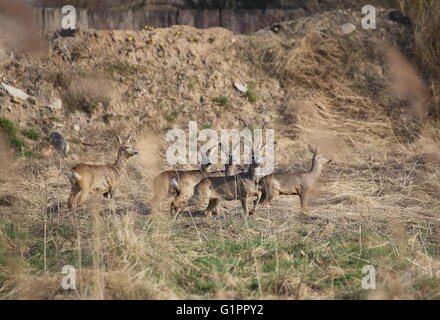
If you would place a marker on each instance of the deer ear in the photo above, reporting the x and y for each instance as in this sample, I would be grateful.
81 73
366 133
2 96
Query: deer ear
118 138
129 138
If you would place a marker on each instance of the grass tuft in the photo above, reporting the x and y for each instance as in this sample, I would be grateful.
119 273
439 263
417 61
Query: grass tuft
222 100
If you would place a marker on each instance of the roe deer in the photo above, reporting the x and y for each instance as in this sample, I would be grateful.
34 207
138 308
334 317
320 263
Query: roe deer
236 187
173 181
185 182
299 183
104 179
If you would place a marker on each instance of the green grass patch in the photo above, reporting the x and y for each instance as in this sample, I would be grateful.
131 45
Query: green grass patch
8 127
223 101
31 134
56 258
171 117
29 154
75 141
251 96
16 142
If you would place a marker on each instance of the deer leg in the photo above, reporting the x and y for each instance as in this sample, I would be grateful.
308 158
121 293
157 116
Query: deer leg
244 204
217 207
268 194
256 202
112 192
263 197
83 196
273 195
177 204
211 206
303 200
73 193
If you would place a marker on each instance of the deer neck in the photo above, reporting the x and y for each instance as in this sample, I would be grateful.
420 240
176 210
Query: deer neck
120 162
229 169
315 170
253 173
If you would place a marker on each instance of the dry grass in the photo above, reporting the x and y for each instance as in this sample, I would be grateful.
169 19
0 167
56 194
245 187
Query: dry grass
377 203
120 254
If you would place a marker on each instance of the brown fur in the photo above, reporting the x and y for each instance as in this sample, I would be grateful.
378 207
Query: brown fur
94 179
298 183
239 186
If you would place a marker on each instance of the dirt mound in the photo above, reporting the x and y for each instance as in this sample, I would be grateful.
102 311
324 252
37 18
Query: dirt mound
309 77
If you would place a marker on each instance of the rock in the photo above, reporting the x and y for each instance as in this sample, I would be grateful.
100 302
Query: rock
240 87
399 17
348 28
276 28
55 104
31 92
58 142
15 93
32 100
76 127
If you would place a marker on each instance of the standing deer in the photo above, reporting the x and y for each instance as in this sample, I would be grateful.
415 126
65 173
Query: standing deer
299 183
182 182
236 187
94 179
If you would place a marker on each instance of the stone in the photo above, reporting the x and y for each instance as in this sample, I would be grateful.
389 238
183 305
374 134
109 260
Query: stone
15 93
55 105
240 87
348 28
58 142
76 127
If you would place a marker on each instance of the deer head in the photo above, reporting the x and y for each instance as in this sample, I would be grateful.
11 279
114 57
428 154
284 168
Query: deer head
125 147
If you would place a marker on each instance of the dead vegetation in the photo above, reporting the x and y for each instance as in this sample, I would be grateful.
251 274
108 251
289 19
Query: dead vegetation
377 203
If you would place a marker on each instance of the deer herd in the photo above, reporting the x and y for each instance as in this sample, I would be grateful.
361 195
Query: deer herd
199 186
